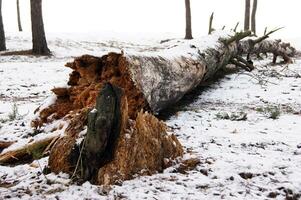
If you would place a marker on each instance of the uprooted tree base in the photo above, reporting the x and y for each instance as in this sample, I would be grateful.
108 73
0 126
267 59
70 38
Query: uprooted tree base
123 139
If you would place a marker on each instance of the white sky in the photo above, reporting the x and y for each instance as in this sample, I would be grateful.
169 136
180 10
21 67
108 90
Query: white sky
153 16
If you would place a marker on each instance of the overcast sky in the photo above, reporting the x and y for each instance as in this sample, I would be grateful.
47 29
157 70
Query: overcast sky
153 16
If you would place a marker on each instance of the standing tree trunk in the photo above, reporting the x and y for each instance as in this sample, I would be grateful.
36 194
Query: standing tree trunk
210 24
247 15
188 35
39 43
253 17
2 34
19 17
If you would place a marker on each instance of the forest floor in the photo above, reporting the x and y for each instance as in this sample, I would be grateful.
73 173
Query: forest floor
245 128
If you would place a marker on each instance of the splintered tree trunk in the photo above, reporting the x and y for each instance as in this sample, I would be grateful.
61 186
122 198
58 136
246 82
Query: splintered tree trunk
2 34
188 20
247 15
253 18
19 16
39 43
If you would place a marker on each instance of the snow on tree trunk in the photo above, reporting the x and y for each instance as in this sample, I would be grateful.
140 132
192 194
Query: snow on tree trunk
151 80
155 79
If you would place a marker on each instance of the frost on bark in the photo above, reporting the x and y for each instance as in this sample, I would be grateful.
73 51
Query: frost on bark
39 43
2 34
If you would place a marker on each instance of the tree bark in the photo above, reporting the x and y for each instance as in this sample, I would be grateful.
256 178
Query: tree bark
188 35
39 43
247 15
19 16
253 17
2 34
104 127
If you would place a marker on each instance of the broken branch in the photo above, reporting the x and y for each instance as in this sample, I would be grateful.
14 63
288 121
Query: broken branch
258 40
237 37
210 24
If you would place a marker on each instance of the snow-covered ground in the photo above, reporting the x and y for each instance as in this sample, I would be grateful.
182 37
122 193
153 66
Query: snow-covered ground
245 128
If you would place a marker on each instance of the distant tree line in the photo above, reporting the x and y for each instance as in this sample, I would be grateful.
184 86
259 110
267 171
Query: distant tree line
39 43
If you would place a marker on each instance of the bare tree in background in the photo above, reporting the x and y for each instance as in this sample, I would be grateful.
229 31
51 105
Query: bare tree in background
39 43
188 20
253 17
19 17
247 15
2 34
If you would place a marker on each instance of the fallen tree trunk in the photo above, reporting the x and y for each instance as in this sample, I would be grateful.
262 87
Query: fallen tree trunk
155 80
148 82
151 81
